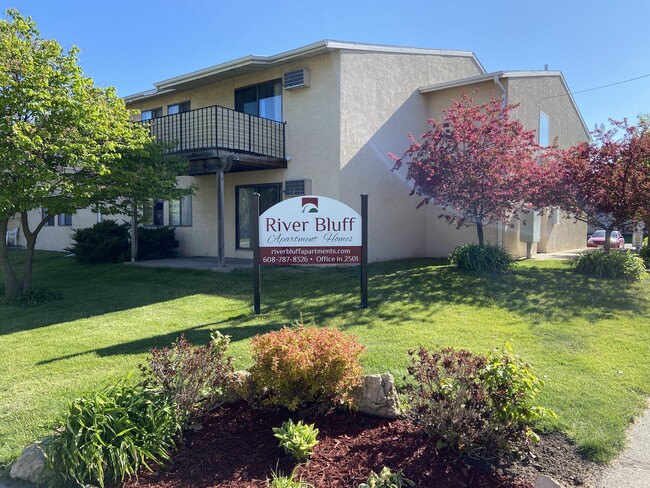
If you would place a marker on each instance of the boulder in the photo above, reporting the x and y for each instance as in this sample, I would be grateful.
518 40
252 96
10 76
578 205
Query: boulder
240 387
546 482
30 465
376 395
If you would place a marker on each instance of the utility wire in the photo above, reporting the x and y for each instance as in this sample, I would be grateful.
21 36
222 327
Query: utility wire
611 84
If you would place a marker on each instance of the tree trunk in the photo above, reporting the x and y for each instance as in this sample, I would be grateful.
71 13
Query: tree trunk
608 236
10 280
30 245
134 232
479 231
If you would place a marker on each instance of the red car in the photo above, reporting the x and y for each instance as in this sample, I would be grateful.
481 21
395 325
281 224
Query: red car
597 239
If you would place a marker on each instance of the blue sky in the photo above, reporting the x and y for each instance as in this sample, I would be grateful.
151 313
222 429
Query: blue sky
131 44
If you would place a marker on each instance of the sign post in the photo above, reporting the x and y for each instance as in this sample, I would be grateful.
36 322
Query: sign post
255 245
364 250
309 230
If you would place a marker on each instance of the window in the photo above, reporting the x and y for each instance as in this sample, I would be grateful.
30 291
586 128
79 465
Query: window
178 108
544 129
269 195
263 100
153 212
180 212
50 221
152 113
65 220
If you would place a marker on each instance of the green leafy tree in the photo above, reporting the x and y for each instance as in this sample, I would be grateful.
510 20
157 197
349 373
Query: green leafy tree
65 144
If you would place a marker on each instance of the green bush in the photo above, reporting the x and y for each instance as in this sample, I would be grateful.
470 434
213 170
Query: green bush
615 264
644 253
156 243
481 405
298 439
299 366
194 377
110 242
386 479
278 480
109 435
489 258
104 242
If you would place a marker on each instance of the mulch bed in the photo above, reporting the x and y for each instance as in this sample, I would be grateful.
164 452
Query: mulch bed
235 447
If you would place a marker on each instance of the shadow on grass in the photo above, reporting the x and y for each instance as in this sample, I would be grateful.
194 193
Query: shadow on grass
399 290
199 334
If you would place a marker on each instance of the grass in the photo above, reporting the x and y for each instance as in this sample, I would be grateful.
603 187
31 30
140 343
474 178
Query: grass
589 338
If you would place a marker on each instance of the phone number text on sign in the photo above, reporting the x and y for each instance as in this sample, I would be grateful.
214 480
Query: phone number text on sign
310 255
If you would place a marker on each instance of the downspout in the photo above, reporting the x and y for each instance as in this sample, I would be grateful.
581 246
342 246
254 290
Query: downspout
504 96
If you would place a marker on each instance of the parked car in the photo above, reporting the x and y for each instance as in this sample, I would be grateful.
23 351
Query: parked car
597 239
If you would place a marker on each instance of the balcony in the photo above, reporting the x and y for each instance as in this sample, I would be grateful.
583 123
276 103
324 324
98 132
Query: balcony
207 136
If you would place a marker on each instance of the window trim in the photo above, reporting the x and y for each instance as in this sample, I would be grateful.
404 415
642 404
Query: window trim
254 186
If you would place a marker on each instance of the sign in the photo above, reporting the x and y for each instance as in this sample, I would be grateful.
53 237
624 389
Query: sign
310 230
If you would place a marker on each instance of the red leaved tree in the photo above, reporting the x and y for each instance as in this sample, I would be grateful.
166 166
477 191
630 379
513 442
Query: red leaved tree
476 162
605 183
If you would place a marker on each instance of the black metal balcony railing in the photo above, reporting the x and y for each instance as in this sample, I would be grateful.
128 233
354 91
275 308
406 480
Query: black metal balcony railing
220 128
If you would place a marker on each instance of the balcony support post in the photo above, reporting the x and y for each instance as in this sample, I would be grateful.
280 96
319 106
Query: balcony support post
223 165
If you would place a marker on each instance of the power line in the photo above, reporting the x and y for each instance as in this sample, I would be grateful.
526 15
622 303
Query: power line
611 84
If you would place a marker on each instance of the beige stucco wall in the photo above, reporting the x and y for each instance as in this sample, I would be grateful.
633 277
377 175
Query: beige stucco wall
312 144
380 105
57 238
565 126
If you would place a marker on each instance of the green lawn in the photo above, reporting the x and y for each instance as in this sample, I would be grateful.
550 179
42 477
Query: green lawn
589 339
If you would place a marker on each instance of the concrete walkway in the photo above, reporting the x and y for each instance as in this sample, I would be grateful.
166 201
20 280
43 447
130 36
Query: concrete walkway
203 263
632 468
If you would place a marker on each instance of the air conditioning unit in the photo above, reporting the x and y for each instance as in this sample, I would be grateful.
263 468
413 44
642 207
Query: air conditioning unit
299 78
297 188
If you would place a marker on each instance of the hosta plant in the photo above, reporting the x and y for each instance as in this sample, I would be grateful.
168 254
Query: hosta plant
386 479
298 439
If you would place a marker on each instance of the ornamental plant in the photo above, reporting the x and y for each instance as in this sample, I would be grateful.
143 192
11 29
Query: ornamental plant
616 265
109 435
298 439
299 366
193 377
481 405
489 258
386 479
476 162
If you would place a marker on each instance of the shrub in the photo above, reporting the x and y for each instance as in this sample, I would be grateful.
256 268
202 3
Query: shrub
298 439
615 264
482 405
194 377
110 242
644 253
305 365
489 258
36 295
108 435
386 479
156 243
104 242
278 480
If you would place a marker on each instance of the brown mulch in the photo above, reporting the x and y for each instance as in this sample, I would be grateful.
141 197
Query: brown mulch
235 447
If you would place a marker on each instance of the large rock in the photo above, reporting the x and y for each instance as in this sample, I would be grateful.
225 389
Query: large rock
377 396
30 465
240 387
546 482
